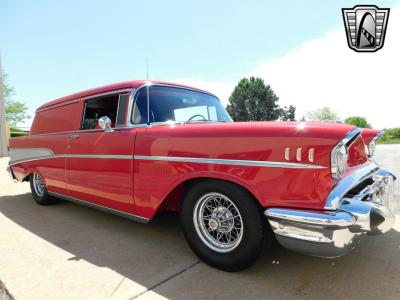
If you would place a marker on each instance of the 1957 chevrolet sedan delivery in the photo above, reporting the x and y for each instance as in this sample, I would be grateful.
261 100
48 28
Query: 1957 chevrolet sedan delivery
138 148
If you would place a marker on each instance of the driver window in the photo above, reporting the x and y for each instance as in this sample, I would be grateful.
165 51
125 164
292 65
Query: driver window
96 108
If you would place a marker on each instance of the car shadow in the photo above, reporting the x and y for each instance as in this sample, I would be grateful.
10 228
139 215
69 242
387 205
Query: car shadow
151 254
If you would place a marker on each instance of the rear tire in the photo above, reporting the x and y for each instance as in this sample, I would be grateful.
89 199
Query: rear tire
224 225
39 191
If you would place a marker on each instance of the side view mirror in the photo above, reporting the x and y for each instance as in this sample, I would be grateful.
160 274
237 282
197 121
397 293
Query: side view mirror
105 123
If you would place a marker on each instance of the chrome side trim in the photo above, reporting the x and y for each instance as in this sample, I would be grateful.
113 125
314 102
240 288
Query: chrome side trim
93 156
235 162
251 163
99 156
347 183
102 208
26 154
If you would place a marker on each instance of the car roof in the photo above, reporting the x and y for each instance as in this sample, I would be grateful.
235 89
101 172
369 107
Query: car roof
109 88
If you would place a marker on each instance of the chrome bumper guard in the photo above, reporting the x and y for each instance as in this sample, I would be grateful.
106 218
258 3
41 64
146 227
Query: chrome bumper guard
335 232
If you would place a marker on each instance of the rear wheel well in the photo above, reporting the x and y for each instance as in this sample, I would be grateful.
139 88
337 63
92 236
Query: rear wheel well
27 177
174 199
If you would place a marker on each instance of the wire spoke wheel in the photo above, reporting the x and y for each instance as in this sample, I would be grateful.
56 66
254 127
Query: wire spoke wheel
218 222
38 185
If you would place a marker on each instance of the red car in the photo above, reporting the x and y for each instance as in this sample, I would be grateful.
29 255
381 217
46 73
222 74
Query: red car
139 148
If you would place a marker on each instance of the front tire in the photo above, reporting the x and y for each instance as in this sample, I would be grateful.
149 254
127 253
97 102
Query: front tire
223 225
39 191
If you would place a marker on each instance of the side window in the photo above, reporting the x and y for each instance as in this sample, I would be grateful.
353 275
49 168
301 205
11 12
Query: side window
139 111
122 113
98 107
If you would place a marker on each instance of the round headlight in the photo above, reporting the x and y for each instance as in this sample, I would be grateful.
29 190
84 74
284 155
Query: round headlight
338 161
371 148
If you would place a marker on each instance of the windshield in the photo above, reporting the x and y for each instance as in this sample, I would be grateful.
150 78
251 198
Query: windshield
177 105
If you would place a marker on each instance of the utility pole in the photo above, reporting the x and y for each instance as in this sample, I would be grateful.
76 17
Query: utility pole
3 134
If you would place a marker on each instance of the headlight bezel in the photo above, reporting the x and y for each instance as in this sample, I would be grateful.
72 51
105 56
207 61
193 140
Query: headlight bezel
371 148
372 144
339 156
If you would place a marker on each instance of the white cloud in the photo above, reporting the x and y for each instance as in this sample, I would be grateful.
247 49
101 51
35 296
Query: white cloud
325 72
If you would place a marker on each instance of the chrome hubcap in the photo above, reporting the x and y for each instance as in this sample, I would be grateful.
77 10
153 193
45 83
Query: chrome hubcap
38 185
218 222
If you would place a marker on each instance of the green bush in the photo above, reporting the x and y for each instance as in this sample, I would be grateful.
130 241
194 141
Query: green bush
15 132
358 121
391 134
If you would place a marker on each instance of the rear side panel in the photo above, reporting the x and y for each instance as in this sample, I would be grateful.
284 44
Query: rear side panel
59 119
46 139
51 169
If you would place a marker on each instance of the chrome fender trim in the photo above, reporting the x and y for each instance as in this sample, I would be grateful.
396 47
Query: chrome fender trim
233 162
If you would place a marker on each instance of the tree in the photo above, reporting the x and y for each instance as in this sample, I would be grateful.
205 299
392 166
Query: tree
358 121
288 113
252 100
15 111
323 114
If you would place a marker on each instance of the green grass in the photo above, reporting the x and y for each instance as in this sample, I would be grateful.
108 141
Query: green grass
391 141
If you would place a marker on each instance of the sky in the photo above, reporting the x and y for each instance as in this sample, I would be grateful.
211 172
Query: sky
50 49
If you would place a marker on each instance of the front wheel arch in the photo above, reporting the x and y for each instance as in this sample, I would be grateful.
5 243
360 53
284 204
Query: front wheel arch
173 200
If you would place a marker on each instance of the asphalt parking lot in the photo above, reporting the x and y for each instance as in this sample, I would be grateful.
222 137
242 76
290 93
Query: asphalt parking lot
67 251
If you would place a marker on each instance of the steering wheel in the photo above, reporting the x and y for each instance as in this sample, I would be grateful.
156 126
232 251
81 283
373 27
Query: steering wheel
197 115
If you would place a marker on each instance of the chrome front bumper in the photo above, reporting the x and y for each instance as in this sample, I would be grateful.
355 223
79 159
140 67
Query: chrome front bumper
336 230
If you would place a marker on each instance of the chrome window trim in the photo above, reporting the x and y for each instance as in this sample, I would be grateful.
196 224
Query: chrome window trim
150 84
84 99
119 93
83 115
102 208
116 115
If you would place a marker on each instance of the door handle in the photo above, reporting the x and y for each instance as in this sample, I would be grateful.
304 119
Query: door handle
74 136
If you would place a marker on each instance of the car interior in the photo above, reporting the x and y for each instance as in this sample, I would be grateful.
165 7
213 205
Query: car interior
97 108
